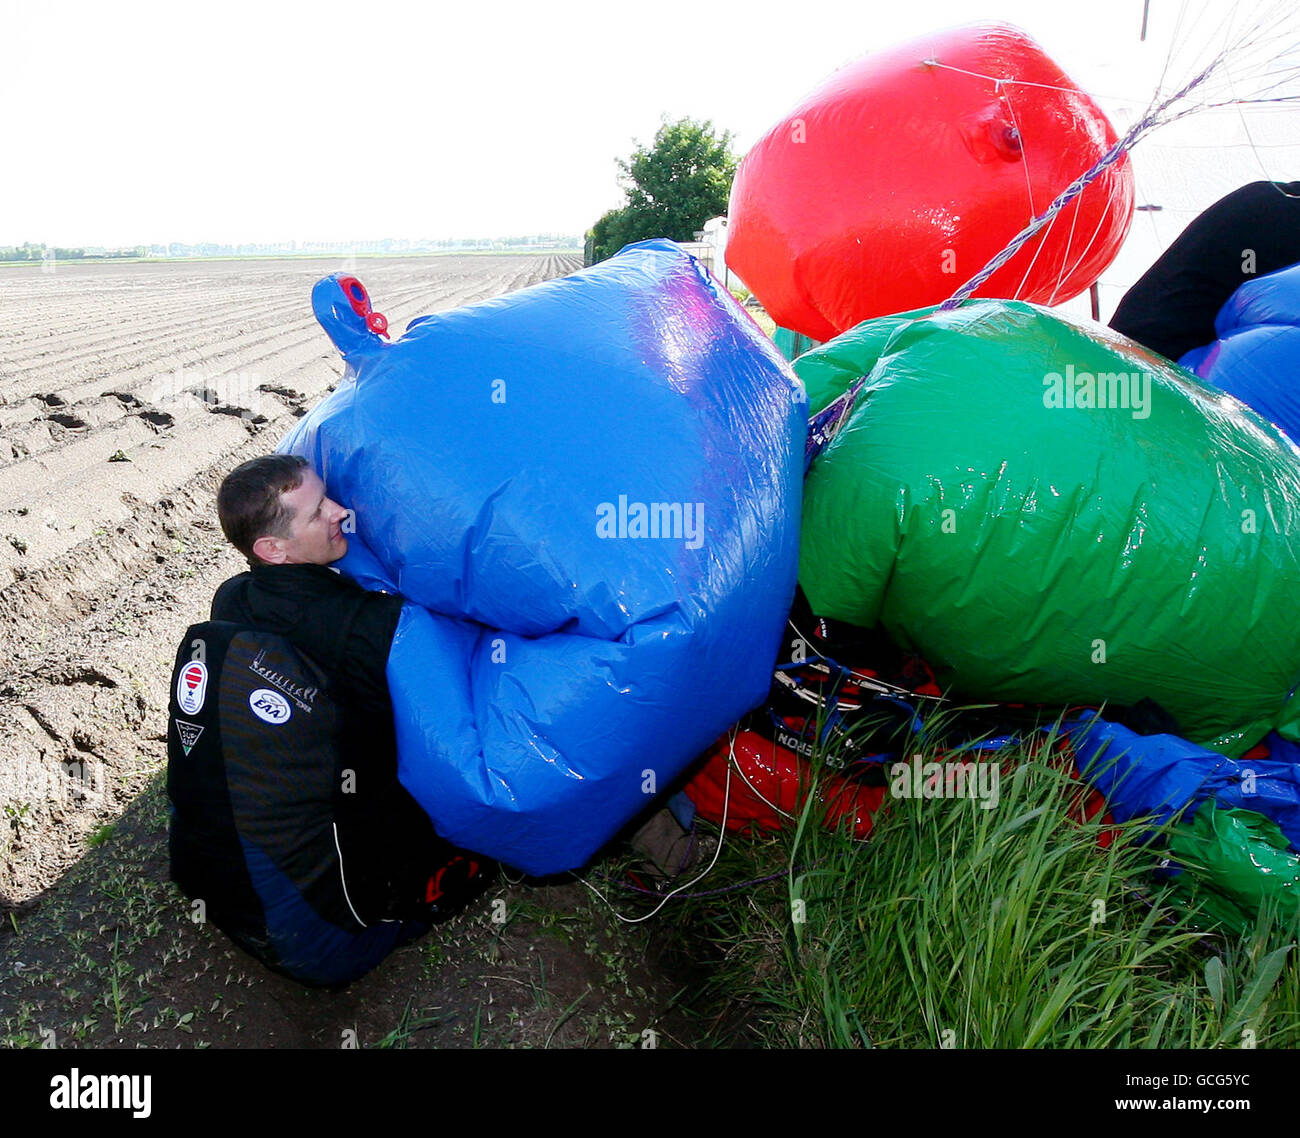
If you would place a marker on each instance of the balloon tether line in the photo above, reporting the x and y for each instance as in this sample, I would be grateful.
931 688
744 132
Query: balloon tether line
1148 122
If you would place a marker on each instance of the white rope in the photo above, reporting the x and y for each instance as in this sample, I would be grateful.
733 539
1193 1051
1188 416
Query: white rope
726 802
1159 112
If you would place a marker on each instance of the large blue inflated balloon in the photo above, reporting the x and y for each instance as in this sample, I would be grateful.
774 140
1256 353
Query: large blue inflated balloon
590 491
1257 354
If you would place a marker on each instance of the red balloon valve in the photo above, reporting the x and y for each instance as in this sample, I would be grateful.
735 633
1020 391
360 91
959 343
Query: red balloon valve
359 299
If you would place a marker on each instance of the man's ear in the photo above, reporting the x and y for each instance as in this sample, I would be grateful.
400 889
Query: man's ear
269 550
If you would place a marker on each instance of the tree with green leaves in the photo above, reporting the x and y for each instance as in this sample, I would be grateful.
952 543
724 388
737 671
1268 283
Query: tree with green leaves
672 188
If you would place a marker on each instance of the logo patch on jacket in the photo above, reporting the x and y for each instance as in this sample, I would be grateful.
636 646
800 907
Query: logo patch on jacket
189 733
270 706
191 687
301 694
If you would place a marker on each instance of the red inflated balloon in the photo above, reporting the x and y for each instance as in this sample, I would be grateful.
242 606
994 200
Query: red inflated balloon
899 178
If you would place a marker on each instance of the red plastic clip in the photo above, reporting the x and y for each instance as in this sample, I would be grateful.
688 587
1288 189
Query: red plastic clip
357 296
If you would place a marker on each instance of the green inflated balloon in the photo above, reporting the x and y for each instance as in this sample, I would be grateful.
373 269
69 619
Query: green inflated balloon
1235 862
1049 513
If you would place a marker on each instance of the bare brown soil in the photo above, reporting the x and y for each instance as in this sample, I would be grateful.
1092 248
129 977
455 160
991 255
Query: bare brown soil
126 393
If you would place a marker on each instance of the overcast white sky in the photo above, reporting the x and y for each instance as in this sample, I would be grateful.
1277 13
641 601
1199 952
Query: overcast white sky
136 122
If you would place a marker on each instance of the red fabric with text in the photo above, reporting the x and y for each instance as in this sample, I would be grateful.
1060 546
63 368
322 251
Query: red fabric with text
769 787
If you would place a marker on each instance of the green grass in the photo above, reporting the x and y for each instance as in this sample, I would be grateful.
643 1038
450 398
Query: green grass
101 835
957 926
407 1025
953 926
761 318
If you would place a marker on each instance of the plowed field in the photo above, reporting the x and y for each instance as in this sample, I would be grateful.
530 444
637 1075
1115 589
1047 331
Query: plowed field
126 393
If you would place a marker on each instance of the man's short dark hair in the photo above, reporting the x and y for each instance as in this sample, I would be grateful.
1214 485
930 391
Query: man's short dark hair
248 502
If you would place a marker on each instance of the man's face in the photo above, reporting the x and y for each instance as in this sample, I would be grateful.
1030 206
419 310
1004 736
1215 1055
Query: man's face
315 535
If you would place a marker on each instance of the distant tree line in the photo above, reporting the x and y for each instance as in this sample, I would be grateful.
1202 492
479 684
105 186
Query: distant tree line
29 252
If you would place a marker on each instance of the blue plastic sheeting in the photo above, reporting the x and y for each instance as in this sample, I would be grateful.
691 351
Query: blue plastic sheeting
590 491
1158 775
1257 354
